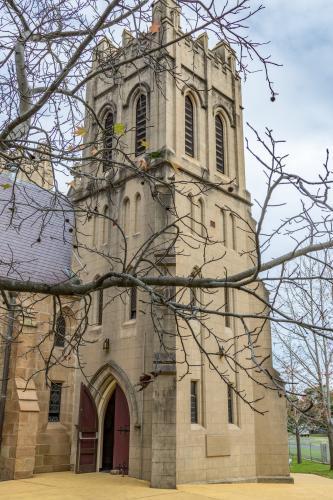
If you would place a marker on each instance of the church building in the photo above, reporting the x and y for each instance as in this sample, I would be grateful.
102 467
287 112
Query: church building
147 401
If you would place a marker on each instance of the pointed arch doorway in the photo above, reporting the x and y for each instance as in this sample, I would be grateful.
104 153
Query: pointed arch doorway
116 433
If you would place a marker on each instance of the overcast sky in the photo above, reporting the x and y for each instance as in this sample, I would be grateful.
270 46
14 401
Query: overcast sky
301 35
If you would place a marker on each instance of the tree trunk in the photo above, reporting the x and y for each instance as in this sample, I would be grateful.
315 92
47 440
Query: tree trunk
298 447
330 443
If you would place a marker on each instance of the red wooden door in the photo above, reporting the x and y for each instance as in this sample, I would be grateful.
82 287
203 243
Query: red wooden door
121 432
87 433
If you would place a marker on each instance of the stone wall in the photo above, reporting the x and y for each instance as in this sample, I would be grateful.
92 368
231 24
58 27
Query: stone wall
30 443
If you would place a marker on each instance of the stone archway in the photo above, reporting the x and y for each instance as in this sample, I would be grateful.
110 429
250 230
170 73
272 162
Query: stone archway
103 386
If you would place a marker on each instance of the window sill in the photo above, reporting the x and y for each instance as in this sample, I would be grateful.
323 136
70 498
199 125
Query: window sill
233 427
129 323
197 427
55 426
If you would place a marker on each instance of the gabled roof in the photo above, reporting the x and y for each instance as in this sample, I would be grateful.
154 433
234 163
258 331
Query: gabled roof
36 228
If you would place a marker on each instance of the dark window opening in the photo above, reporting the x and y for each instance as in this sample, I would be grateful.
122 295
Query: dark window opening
230 405
219 144
189 127
60 331
133 299
227 307
100 306
108 141
194 402
55 402
141 125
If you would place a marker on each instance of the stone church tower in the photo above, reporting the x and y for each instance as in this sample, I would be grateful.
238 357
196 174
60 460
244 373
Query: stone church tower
178 429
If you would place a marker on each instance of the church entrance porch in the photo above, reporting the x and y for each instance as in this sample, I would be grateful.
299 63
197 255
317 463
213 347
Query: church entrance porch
116 433
108 430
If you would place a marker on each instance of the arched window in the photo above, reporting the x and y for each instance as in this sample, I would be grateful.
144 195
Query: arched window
105 227
126 216
201 217
233 241
133 300
219 136
99 306
223 228
192 217
141 125
108 141
60 331
138 214
189 127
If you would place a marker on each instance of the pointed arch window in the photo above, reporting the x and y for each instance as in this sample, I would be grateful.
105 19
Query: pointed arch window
201 217
140 125
189 127
219 136
137 215
108 140
233 239
223 228
60 331
191 212
105 227
126 216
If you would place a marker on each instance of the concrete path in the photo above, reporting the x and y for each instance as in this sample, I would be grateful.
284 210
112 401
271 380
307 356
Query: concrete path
69 486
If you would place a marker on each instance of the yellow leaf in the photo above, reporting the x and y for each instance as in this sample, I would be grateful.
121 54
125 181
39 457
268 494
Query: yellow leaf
144 143
155 27
118 128
80 131
6 186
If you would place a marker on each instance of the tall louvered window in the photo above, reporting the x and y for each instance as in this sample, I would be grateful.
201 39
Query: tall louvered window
108 141
141 125
219 144
189 127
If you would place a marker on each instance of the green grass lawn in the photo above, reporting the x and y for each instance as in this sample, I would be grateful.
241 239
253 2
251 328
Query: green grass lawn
308 467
